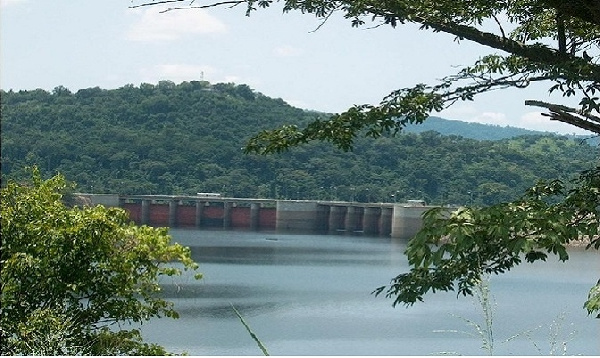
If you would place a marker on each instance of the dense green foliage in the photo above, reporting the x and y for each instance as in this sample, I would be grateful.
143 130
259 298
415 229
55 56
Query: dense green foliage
552 42
538 41
72 276
187 138
454 250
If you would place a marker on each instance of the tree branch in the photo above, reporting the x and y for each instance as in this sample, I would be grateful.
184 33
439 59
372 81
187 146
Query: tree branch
586 10
207 6
564 114
155 3
560 32
535 53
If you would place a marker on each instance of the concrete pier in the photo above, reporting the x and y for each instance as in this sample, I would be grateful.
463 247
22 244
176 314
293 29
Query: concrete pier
172 213
350 221
199 210
370 220
227 214
254 216
145 212
407 220
385 221
337 216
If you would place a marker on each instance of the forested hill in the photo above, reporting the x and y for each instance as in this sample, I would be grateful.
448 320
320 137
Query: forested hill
187 138
470 130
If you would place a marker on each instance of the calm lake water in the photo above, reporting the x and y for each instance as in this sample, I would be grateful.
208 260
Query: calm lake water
311 295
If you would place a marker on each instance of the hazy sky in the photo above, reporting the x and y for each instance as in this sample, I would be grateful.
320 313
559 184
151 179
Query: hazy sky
104 43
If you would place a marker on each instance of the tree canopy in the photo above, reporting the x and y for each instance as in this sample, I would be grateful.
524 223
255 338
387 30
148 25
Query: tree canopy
185 138
72 277
552 42
456 249
547 41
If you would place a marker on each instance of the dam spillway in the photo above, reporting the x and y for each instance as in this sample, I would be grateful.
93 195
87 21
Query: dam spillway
398 220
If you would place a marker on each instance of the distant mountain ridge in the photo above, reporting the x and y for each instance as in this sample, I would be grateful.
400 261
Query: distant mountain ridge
478 131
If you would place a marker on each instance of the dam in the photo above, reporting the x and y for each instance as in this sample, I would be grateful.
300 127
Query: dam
398 220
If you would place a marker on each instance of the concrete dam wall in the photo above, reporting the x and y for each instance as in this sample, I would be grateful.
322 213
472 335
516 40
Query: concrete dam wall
384 219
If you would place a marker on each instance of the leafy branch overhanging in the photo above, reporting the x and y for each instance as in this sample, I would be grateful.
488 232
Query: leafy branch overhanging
550 41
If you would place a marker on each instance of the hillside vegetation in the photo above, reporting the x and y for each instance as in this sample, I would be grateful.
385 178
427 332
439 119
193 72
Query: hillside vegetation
187 138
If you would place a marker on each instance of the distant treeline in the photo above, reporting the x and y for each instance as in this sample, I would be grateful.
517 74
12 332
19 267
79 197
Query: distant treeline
187 138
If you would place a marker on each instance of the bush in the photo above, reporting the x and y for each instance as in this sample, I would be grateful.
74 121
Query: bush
71 276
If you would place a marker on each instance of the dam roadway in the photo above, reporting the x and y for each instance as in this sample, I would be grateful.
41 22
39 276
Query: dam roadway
398 220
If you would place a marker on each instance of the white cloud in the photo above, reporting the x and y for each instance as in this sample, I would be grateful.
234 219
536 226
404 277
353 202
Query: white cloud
297 103
6 3
230 78
495 118
190 72
287 51
152 25
536 121
459 112
178 73
469 113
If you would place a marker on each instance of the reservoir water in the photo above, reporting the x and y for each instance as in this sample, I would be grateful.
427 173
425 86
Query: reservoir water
311 295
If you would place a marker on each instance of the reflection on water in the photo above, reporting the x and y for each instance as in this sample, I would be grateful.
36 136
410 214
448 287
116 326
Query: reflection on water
311 295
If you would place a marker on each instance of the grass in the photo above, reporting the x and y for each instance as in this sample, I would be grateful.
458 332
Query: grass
254 337
485 331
